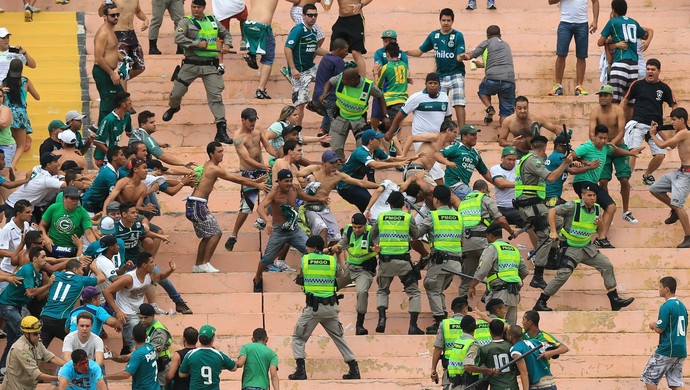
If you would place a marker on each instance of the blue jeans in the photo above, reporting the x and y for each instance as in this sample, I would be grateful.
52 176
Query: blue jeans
127 338
279 237
566 32
168 287
506 95
13 318
460 189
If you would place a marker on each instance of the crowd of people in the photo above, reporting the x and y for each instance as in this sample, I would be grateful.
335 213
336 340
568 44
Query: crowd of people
79 246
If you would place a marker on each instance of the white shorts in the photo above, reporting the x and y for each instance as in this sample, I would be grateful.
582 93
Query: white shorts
659 365
318 221
635 136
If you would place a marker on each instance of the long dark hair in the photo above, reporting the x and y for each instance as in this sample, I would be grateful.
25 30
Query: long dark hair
14 83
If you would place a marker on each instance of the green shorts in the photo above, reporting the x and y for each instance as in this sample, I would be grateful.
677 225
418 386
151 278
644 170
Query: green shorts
260 40
621 163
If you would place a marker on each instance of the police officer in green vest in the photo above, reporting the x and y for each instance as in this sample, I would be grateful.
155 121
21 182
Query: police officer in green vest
361 263
503 269
319 273
530 194
352 93
463 358
159 337
392 234
444 227
447 334
581 219
199 34
478 210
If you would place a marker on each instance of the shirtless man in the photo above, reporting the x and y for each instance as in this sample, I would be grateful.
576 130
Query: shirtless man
613 117
282 226
676 182
205 225
69 150
260 40
319 217
248 140
106 65
523 119
291 154
124 30
430 144
132 189
296 15
350 26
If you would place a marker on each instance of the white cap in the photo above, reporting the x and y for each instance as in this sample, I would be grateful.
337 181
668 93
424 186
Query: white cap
107 225
68 137
72 115
4 32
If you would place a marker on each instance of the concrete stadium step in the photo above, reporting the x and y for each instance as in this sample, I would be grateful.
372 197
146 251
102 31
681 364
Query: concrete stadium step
315 384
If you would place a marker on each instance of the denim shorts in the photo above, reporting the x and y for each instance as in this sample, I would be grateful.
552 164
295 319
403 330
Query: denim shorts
506 95
10 151
566 32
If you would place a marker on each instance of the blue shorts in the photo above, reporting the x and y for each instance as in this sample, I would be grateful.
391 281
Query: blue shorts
506 95
566 32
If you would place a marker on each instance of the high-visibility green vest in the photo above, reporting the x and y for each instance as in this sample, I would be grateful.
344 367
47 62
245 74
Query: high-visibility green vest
482 335
394 232
471 210
319 274
582 227
456 357
168 343
447 225
508 263
451 333
353 102
359 251
520 187
208 31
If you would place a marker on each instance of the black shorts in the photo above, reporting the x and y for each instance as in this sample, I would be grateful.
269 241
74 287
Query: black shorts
512 216
603 197
351 29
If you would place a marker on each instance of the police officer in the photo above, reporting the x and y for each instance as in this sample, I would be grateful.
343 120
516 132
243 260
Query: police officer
478 210
581 219
361 263
448 333
530 194
444 226
159 337
198 34
503 269
319 272
463 357
392 235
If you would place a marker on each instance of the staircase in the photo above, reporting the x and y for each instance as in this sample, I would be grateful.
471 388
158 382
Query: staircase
607 350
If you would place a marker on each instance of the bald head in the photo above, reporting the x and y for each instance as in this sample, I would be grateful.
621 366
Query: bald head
351 77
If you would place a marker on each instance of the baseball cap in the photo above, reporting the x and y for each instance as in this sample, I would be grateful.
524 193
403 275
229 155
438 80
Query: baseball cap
71 192
605 89
290 128
370 134
358 219
389 34
560 139
156 164
329 156
72 115
113 206
249 113
70 165
493 303
4 32
47 158
147 310
89 292
57 124
508 150
107 225
469 129
106 242
207 330
441 192
395 197
284 174
68 137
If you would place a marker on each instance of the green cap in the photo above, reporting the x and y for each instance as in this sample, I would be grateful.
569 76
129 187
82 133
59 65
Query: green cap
389 34
469 129
508 150
605 89
207 331
57 124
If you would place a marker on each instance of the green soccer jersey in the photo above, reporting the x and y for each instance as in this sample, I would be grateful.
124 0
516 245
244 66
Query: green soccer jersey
64 293
259 359
62 224
204 366
467 160
143 366
16 295
589 152
446 48
497 354
302 40
110 131
393 82
624 29
673 320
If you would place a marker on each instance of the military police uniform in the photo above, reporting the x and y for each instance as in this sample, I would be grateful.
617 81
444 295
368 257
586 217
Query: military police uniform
448 333
464 352
160 338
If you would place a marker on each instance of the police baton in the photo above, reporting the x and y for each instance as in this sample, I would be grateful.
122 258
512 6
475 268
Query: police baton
414 207
539 247
450 271
525 228
503 367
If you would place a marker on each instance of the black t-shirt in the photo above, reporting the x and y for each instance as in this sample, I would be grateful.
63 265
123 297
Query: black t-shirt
49 146
649 101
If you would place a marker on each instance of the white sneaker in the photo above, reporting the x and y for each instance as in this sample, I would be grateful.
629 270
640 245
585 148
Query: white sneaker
628 217
197 269
158 309
211 268
282 265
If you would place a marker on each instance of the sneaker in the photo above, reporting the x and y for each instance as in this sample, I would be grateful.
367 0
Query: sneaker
28 14
260 224
685 243
285 71
579 91
258 286
557 90
471 5
284 266
244 46
230 243
211 268
672 218
273 268
158 310
251 60
261 94
648 180
489 117
196 269
490 4
182 308
628 217
603 243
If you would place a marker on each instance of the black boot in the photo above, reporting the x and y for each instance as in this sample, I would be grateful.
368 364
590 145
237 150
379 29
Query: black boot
381 326
617 302
222 133
153 47
433 328
354 371
538 278
414 329
180 50
300 372
541 303
169 113
360 330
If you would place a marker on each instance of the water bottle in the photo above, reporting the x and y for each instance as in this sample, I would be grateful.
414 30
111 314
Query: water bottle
473 65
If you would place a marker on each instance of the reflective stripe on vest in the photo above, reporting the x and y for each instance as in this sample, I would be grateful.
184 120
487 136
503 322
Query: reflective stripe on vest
539 189
319 274
447 226
456 357
158 325
482 335
208 31
582 227
508 263
394 232
451 333
471 210
353 102
359 251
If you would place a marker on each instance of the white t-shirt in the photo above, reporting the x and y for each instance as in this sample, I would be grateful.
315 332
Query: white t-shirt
504 197
10 237
574 11
223 9
380 205
91 346
40 187
107 266
5 58
429 113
